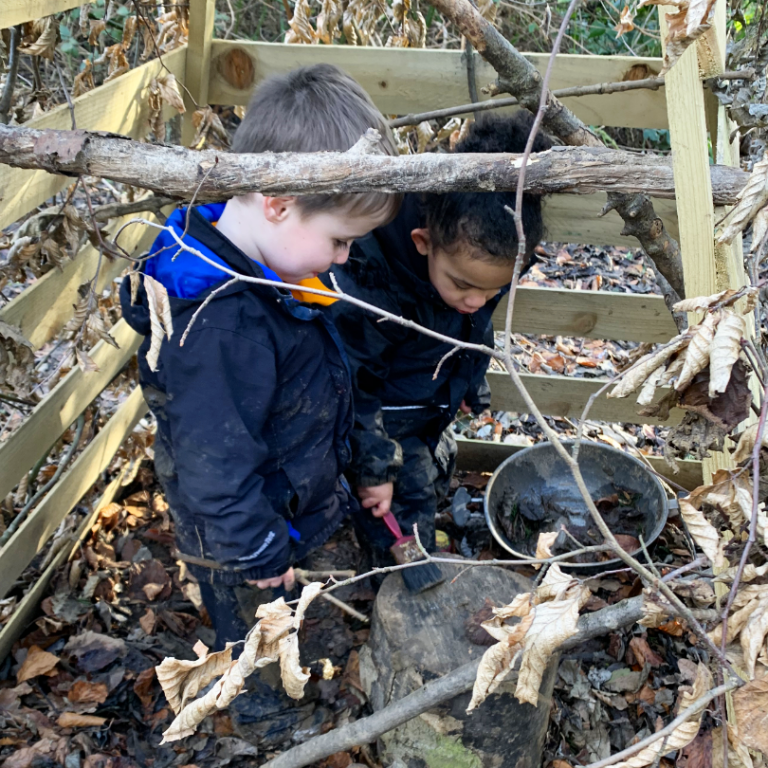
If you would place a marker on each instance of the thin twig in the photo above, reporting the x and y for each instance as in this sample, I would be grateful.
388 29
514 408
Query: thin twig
207 301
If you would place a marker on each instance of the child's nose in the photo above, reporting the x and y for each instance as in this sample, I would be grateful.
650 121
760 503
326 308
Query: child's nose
476 301
341 257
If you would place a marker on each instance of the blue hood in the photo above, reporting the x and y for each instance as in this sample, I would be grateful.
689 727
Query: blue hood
184 275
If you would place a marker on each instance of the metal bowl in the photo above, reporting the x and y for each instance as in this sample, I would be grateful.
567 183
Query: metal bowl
538 472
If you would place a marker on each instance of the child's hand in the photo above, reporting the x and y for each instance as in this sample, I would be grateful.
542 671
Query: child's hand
464 408
287 579
377 498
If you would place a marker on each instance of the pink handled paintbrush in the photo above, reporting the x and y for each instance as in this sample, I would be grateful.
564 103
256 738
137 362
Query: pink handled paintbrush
405 550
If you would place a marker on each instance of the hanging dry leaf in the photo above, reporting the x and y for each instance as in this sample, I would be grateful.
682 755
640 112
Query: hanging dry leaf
293 675
86 363
160 318
698 303
648 365
684 27
703 532
751 199
308 594
328 20
169 92
181 681
682 735
265 644
697 354
553 623
300 26
45 45
544 547
38 662
424 134
83 20
759 229
747 443
725 351
97 27
648 390
626 22
83 80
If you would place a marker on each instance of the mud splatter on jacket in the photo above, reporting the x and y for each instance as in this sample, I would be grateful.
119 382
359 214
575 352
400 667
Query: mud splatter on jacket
253 412
392 366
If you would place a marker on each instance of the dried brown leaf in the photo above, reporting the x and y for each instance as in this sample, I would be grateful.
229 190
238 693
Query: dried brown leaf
753 635
97 27
424 134
759 228
752 198
544 546
648 390
626 22
682 735
648 365
85 362
697 354
703 532
750 705
73 720
293 675
738 754
170 94
38 662
83 80
45 44
181 681
725 351
160 318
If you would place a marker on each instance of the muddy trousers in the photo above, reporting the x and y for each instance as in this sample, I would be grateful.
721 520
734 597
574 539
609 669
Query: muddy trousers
422 483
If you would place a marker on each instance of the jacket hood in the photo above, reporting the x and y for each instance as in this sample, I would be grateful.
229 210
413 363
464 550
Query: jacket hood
186 276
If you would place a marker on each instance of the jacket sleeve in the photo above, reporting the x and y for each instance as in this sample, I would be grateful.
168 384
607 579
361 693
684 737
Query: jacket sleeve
217 411
478 396
370 347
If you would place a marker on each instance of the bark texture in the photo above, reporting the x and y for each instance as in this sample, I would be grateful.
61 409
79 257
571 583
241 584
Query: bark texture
518 77
179 172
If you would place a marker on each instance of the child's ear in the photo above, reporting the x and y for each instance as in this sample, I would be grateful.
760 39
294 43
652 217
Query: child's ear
421 240
276 209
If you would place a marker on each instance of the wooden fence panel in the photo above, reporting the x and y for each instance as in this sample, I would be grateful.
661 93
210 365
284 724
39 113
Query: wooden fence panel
13 12
62 406
593 314
118 107
43 521
405 80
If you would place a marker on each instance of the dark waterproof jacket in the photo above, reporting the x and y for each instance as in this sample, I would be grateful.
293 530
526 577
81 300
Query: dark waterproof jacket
253 412
392 366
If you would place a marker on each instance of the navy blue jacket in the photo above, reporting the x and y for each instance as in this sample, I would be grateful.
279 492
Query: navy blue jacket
395 392
253 412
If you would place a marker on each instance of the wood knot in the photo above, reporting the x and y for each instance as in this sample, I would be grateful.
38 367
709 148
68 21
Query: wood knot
657 227
584 322
236 67
638 72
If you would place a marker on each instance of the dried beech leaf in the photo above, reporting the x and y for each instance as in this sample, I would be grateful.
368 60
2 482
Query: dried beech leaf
750 705
181 681
648 365
750 573
308 594
626 22
45 45
759 228
682 735
97 27
738 754
648 390
725 351
553 623
747 443
753 635
703 532
74 720
424 134
697 354
83 80
159 316
752 198
293 675
86 363
301 27
38 662
544 547
169 92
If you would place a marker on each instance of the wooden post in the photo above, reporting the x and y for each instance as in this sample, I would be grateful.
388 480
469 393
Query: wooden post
706 269
201 17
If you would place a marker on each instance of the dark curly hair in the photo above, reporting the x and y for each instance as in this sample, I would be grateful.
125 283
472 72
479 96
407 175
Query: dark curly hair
479 219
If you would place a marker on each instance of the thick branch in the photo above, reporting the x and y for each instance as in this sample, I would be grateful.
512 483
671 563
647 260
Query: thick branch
179 172
521 79
433 693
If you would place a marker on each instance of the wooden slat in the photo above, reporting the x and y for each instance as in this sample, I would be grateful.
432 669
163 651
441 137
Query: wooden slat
404 80
13 12
46 306
576 219
594 314
43 521
62 406
29 606
118 107
567 396
202 14
485 456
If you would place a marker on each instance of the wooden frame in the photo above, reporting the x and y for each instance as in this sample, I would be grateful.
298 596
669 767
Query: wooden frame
13 12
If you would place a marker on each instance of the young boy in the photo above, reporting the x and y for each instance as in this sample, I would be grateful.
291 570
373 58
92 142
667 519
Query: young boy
254 411
443 263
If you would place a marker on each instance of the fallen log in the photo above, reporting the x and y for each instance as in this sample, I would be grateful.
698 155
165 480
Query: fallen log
215 175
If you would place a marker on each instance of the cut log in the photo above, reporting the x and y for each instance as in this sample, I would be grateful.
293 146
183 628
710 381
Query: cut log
417 638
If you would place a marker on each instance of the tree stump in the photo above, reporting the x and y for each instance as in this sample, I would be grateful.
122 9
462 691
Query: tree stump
417 638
